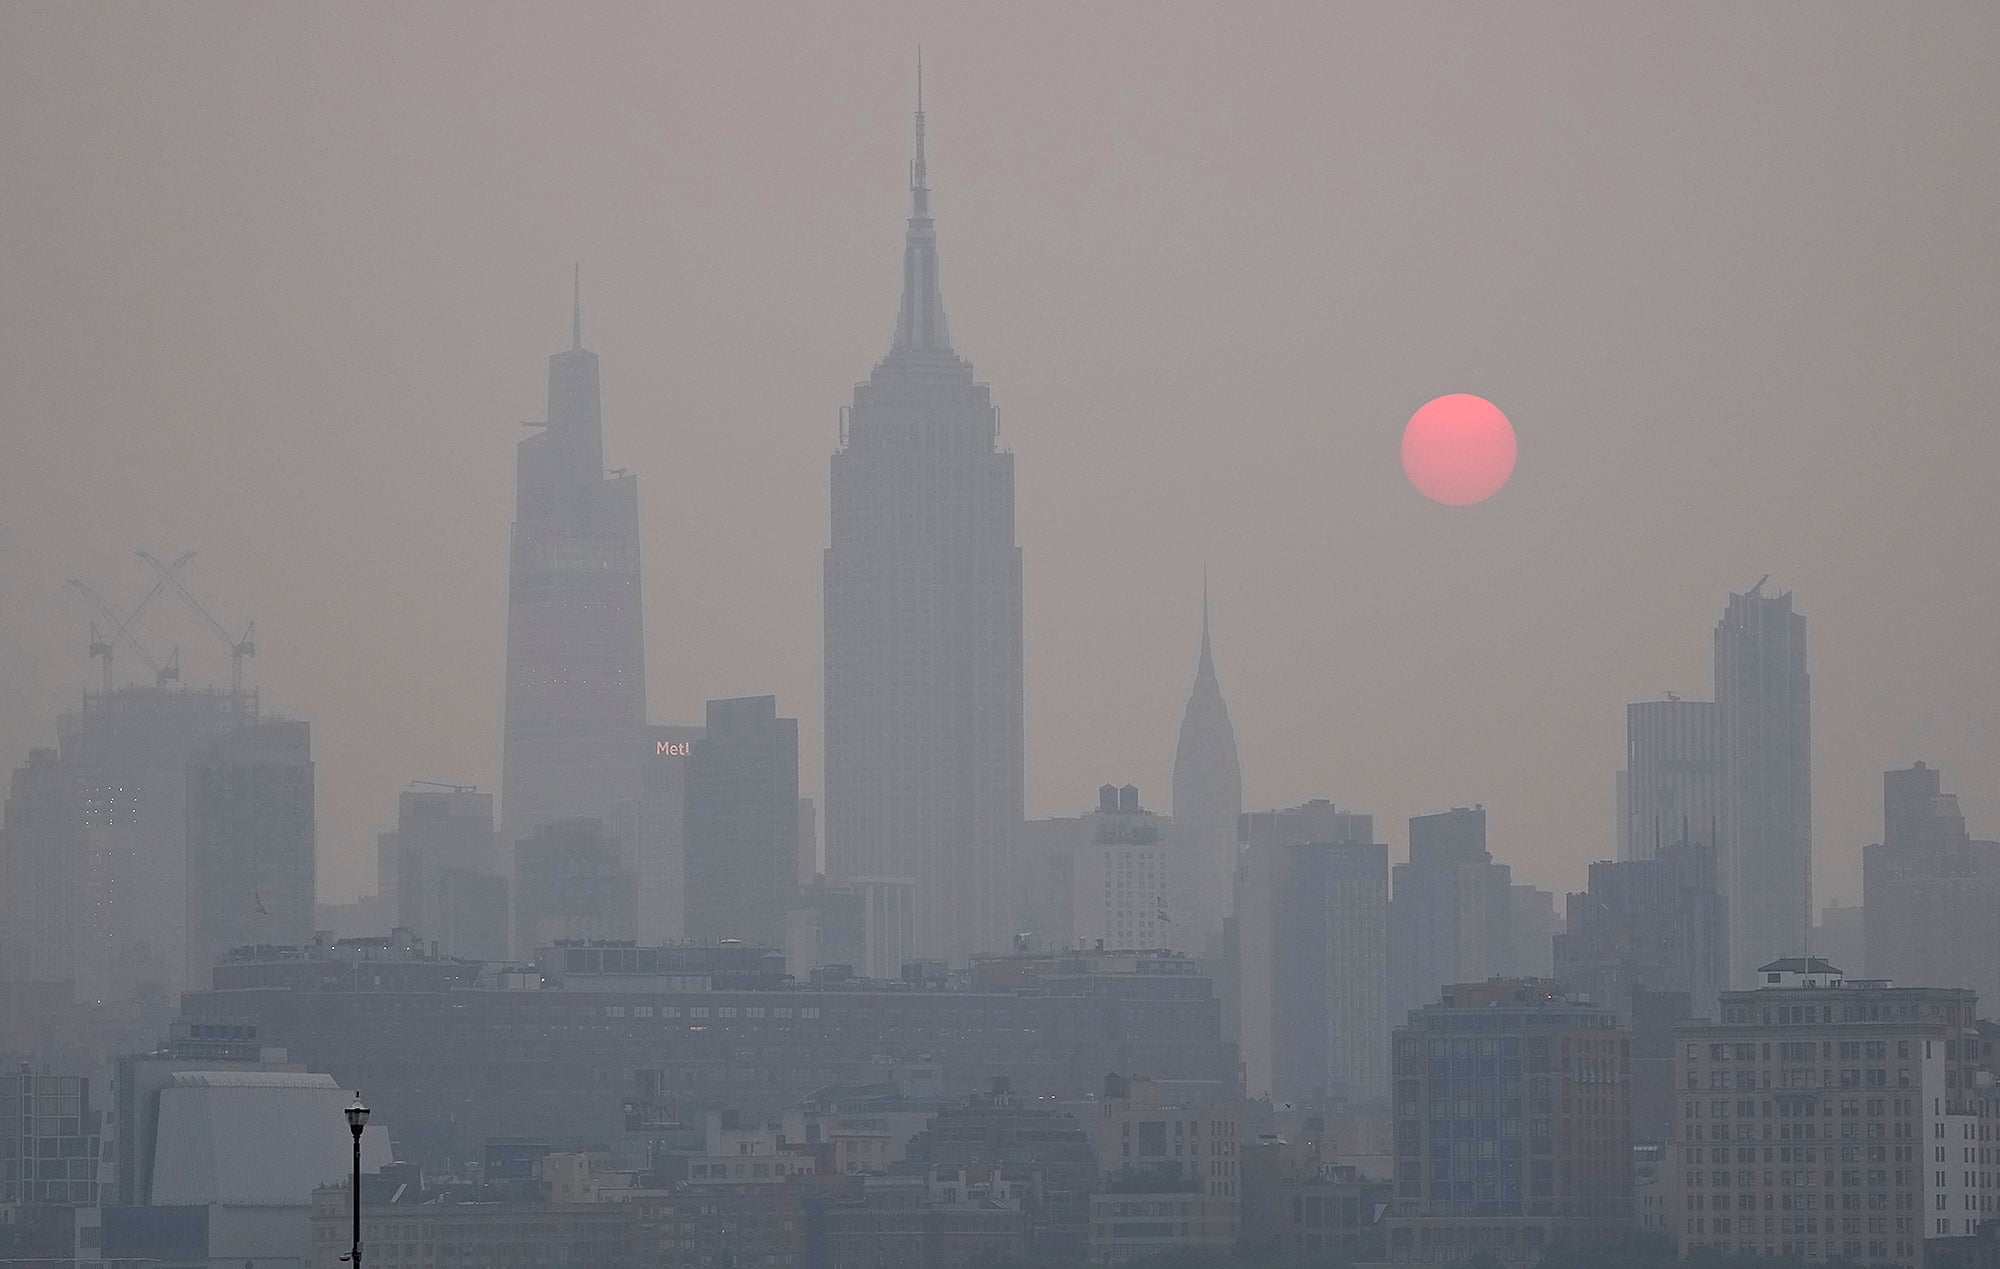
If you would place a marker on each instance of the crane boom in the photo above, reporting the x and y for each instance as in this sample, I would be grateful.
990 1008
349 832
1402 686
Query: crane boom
239 647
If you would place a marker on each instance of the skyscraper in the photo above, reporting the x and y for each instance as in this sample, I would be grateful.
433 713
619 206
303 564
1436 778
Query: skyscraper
576 677
249 842
1929 890
1764 696
1311 977
41 873
443 868
1673 774
1207 797
923 625
1451 919
743 823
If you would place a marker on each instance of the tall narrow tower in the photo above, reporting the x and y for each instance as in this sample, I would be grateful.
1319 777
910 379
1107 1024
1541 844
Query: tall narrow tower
1208 796
1764 696
576 676
923 625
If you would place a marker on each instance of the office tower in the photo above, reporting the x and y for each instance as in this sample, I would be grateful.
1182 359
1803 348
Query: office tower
125 755
1312 898
660 856
1533 923
1763 694
1513 1128
41 873
49 1139
1647 940
1673 774
448 883
743 823
1884 1085
1207 797
1929 891
571 881
1123 874
808 841
923 625
576 670
1451 918
249 842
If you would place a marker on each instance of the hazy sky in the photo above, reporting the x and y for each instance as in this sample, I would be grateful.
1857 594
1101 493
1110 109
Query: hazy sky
280 282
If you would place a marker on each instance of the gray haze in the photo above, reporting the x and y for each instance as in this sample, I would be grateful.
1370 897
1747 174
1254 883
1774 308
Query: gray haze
281 282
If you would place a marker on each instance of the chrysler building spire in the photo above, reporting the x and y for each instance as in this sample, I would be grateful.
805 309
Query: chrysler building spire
920 323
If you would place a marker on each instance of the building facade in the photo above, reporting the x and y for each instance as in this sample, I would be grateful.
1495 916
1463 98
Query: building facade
571 881
1451 919
1764 697
441 867
1673 775
1310 957
1513 1124
1833 1118
1927 886
924 704
41 873
576 669
1123 876
743 823
250 841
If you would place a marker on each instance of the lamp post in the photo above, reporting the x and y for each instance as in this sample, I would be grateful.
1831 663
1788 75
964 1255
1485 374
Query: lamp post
357 1119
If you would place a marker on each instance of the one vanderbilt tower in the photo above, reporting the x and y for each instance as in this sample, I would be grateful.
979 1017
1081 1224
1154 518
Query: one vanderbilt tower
923 625
576 678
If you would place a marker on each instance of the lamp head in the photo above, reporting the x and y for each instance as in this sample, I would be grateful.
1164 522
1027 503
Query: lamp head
357 1115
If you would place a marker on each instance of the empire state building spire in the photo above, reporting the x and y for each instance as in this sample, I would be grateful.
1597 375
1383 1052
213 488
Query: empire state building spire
920 323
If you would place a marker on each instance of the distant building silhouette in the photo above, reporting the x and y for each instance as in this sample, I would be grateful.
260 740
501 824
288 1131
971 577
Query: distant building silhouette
442 866
1673 774
1308 955
1763 694
41 873
576 678
923 626
250 842
1930 892
1122 875
660 857
571 882
1451 918
743 823
1207 798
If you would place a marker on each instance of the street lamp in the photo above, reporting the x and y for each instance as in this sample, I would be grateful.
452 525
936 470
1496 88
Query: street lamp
357 1119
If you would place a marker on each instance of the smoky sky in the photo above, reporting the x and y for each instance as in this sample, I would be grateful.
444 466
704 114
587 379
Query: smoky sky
280 283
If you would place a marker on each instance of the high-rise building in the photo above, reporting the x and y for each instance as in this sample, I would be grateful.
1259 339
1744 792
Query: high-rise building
1123 874
125 756
924 757
41 872
1874 1100
1451 919
1673 775
1207 798
1535 923
442 865
1513 1124
660 858
571 881
1763 694
249 841
49 1139
1310 957
1647 940
1929 890
743 823
576 675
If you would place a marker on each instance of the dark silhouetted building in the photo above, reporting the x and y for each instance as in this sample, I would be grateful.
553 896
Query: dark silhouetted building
923 670
743 823
41 873
576 666
1513 1128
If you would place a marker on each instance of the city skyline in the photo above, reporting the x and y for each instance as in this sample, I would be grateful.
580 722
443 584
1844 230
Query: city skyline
1105 631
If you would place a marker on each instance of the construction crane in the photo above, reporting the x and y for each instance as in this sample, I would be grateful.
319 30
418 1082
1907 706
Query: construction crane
239 646
124 626
439 784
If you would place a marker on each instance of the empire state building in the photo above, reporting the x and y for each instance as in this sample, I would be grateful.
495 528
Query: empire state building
923 625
